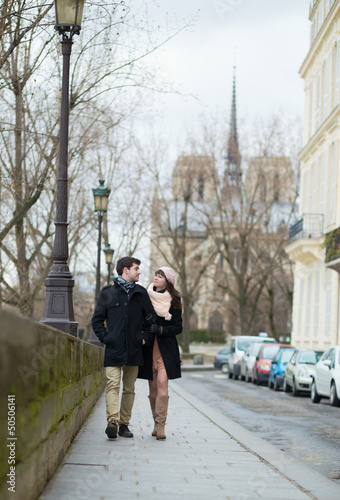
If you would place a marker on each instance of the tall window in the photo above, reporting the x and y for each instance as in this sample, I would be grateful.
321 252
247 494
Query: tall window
323 194
332 180
328 303
310 112
337 72
318 101
315 187
316 304
308 308
300 306
201 187
325 89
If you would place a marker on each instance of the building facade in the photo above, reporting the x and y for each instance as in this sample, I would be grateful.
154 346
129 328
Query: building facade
314 239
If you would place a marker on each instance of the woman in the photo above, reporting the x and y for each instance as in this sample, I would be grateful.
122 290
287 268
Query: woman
161 358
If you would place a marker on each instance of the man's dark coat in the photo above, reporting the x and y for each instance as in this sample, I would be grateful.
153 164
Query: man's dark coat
128 318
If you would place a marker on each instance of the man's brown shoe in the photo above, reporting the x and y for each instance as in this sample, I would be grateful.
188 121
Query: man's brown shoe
124 431
111 430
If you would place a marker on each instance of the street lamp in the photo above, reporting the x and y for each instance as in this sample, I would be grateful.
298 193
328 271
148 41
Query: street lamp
58 308
108 258
101 197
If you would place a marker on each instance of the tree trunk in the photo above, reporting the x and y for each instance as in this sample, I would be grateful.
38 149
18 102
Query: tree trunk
25 305
186 325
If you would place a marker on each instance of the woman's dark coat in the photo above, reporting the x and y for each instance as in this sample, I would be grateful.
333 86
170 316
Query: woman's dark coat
167 345
121 322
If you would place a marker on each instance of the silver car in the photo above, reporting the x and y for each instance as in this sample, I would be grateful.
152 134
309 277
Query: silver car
248 361
300 369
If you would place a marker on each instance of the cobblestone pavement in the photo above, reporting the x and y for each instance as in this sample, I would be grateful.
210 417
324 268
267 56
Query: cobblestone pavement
205 455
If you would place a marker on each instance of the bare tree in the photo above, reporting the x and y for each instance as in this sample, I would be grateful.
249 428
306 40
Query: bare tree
104 87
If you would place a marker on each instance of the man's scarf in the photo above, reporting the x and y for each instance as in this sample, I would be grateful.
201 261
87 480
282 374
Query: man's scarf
126 285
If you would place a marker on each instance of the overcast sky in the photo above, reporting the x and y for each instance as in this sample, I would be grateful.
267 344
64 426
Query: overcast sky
270 38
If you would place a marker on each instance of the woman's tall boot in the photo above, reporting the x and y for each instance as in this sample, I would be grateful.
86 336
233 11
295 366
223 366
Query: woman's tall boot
161 414
153 410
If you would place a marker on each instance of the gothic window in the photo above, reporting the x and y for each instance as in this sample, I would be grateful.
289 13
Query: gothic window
263 187
201 187
276 187
216 320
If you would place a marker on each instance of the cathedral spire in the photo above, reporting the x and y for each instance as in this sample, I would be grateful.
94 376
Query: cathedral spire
233 156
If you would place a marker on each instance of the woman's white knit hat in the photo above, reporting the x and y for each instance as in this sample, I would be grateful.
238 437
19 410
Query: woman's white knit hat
169 274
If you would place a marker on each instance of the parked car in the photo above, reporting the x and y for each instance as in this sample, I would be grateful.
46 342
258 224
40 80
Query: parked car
221 359
278 366
326 379
300 370
248 360
263 362
238 346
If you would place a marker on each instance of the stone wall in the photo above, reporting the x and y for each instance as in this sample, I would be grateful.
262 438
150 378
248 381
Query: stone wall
55 380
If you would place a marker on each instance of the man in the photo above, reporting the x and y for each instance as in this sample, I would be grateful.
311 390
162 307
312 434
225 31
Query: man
122 321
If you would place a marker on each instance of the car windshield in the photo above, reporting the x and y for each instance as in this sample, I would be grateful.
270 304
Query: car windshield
243 344
226 350
286 355
270 351
255 349
308 358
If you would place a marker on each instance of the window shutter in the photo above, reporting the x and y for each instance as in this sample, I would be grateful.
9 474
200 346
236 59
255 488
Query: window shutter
316 304
333 181
325 89
308 311
337 73
310 111
317 104
323 186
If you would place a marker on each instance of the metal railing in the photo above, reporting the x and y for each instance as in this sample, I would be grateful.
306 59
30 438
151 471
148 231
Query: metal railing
309 226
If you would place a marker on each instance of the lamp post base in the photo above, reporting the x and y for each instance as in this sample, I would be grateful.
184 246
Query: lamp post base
93 339
58 309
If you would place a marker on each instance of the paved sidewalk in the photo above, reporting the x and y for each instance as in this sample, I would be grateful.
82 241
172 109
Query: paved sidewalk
205 456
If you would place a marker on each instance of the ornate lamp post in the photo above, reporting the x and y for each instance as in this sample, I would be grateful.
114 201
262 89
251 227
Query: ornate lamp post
58 309
108 258
101 197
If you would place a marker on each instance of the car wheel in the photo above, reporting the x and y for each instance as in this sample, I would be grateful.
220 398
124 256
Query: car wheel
224 368
314 393
270 384
294 389
235 377
286 387
230 375
243 378
248 377
276 385
334 400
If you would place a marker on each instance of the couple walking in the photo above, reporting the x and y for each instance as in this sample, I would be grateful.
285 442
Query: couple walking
138 328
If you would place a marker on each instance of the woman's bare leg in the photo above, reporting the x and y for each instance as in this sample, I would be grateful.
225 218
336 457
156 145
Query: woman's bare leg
153 386
162 383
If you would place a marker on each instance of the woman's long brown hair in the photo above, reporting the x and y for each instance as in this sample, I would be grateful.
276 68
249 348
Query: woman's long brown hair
175 295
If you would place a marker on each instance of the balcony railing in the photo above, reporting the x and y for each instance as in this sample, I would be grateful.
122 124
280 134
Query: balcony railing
309 226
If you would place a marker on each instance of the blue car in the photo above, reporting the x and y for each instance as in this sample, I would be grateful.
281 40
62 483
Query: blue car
278 367
221 359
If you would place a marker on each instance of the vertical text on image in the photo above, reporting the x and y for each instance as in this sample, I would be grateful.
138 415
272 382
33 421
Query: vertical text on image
11 442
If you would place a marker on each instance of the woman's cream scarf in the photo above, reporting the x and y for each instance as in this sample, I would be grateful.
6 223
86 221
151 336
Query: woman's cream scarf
161 302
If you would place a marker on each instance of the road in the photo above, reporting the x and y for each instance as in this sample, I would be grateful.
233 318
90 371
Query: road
309 432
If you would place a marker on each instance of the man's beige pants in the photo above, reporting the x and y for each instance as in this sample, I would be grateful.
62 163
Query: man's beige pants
114 375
